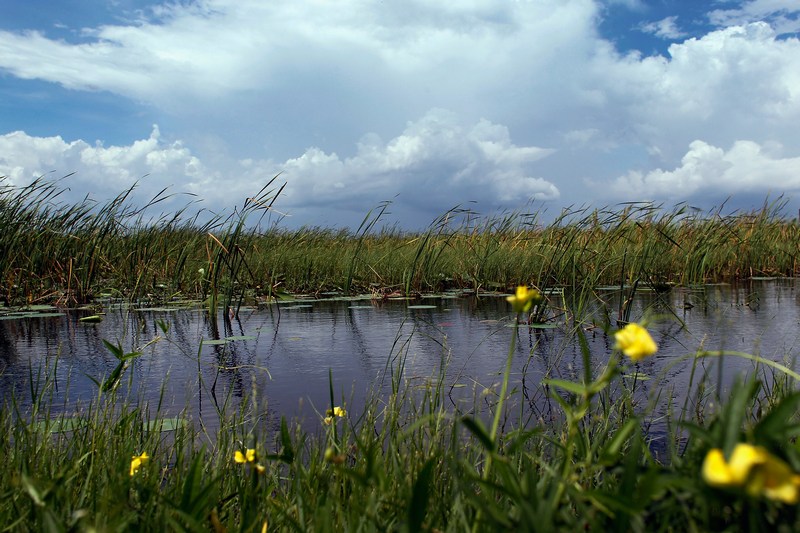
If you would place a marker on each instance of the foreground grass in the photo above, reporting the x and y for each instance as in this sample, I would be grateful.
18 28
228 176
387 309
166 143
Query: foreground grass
407 462
71 253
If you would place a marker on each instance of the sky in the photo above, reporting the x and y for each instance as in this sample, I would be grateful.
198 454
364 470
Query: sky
492 105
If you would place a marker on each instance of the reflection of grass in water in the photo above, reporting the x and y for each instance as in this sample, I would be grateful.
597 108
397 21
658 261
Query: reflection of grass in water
69 253
407 461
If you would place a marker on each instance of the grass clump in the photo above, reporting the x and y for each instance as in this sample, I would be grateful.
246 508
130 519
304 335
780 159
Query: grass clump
70 253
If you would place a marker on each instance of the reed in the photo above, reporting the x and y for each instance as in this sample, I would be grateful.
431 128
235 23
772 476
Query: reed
69 253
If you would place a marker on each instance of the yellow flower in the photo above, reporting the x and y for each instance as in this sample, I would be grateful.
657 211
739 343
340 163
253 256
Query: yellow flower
755 469
137 461
635 342
524 299
331 414
248 457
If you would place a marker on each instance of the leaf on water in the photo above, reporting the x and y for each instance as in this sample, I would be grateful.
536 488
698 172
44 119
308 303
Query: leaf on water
421 307
212 342
637 376
166 424
301 306
58 425
535 325
361 307
240 338
93 319
40 308
540 325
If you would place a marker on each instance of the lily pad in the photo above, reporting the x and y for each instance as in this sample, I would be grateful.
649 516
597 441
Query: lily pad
240 338
213 342
534 326
58 425
166 424
93 319
39 308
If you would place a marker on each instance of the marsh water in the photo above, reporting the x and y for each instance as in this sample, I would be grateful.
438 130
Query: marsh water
287 355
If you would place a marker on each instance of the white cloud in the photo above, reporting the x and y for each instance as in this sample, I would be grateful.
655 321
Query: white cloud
437 160
746 167
782 15
101 171
666 28
740 82
256 88
210 48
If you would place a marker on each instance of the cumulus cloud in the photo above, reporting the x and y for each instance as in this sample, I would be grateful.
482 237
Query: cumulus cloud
435 158
437 161
746 167
739 82
100 171
256 88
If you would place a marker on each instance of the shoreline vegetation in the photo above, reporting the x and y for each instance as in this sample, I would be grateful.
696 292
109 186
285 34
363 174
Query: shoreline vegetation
728 461
71 253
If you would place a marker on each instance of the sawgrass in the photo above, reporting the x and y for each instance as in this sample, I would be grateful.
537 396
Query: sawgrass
70 253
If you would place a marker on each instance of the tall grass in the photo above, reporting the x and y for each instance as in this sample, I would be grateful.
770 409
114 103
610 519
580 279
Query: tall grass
69 253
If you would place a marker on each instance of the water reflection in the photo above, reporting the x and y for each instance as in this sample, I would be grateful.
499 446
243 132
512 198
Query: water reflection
283 355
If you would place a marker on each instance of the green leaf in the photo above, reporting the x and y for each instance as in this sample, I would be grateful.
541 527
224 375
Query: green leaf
777 422
420 495
611 451
287 454
115 349
166 424
477 428
569 386
58 425
734 413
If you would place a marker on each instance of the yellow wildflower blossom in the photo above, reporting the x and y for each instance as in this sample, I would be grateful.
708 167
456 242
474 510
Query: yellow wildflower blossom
635 342
756 470
137 461
524 298
248 457
331 414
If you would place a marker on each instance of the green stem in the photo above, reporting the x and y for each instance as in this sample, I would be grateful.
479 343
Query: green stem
498 411
506 377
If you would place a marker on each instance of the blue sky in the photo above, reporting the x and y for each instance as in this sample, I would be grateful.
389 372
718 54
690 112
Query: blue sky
495 104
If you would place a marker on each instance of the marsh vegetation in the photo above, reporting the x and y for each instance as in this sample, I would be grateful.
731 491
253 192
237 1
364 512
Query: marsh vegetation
405 460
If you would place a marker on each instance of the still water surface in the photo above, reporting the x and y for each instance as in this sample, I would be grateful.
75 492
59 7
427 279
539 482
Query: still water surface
286 352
